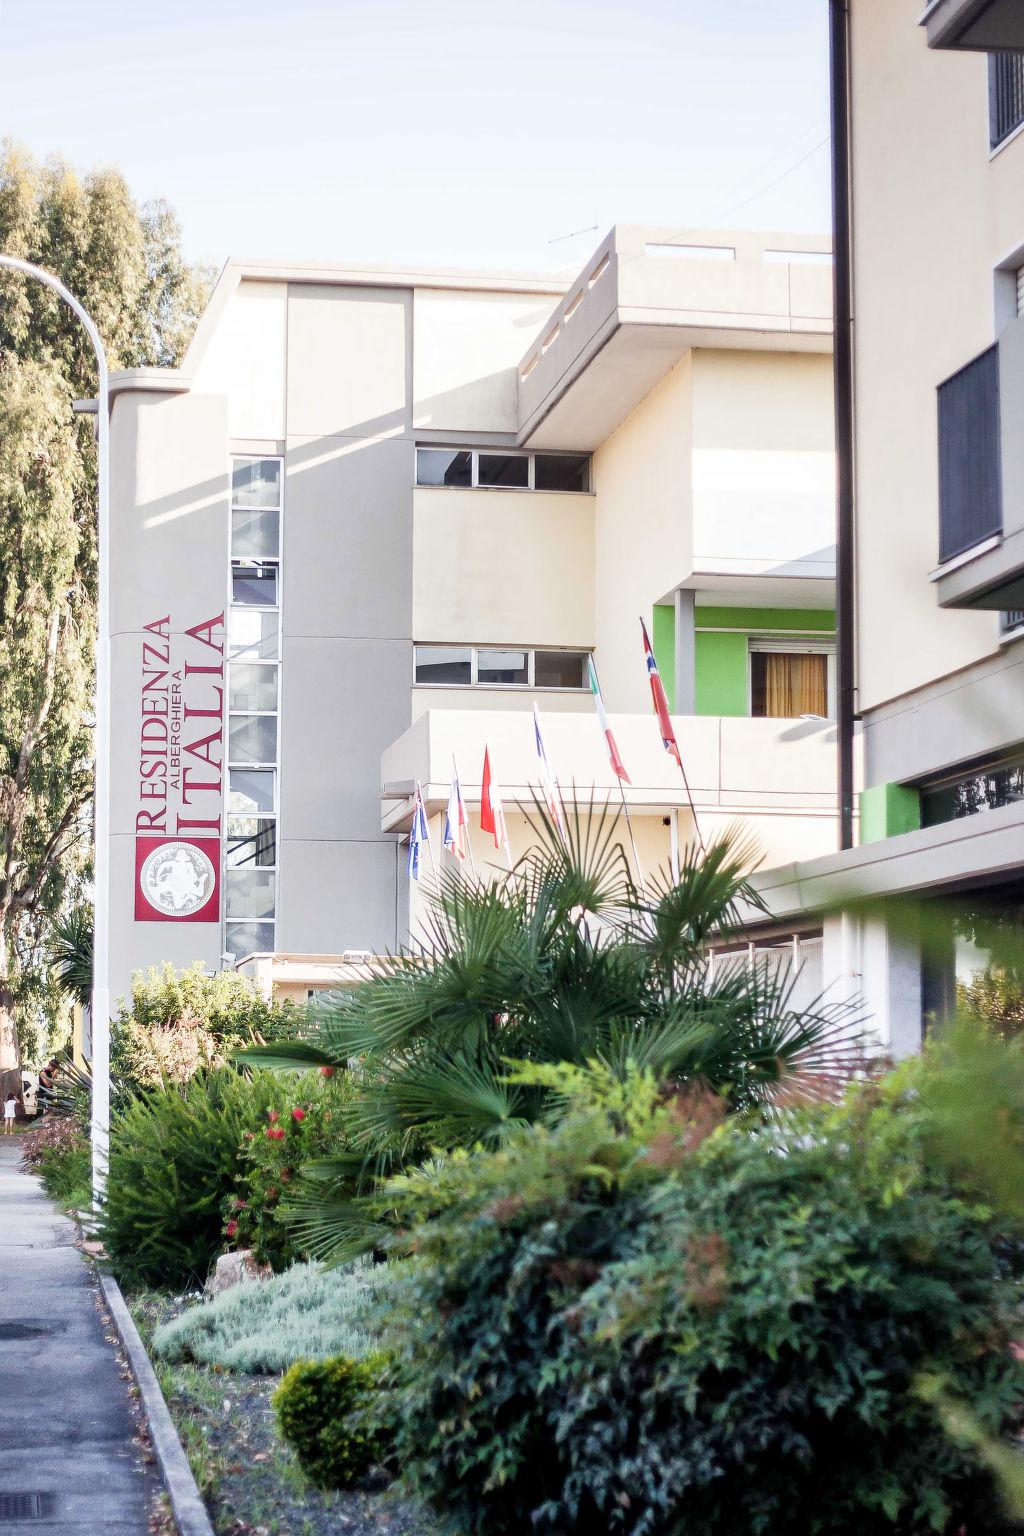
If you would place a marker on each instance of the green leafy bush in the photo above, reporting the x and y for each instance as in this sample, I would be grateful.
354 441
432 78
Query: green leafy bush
311 1128
650 1322
325 1411
174 1155
180 1023
59 1152
305 1314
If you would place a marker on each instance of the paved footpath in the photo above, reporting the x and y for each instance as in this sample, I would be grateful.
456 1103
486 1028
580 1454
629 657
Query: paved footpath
67 1462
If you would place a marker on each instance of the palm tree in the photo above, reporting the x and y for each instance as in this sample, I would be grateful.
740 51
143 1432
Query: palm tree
563 960
70 953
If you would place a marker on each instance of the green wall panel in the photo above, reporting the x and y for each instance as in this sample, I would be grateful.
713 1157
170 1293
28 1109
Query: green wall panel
886 810
757 620
721 674
663 638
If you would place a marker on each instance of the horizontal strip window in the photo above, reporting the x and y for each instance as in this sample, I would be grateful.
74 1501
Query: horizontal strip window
987 788
491 469
248 939
471 666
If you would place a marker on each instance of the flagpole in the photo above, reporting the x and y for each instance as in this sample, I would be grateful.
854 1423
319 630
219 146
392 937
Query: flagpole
632 839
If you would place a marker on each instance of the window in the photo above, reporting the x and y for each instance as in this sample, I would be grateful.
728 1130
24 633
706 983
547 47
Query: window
252 636
505 469
560 669
966 794
443 466
561 472
511 668
254 647
789 679
468 666
254 584
483 468
445 664
1005 95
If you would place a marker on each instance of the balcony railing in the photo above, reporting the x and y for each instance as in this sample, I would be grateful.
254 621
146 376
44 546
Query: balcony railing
1005 95
970 481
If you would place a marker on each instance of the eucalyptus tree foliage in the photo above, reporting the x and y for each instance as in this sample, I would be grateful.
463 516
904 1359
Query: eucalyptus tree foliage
560 960
124 263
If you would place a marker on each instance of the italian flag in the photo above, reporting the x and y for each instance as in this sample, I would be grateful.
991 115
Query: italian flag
613 751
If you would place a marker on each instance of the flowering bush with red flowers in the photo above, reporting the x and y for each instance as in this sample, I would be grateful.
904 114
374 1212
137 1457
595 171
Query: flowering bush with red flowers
312 1128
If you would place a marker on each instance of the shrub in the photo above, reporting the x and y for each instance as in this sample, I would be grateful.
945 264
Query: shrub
182 1023
305 1314
997 996
325 1413
311 1128
640 1323
60 1153
174 1155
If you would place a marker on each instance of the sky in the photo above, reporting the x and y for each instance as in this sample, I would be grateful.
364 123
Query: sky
469 133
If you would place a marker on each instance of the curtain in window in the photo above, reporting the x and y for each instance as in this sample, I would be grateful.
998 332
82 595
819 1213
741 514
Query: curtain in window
795 685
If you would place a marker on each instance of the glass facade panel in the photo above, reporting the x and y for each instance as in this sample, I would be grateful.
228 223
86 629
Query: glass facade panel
249 893
254 585
509 667
251 842
987 789
508 469
255 534
560 669
252 738
444 466
252 636
252 688
249 939
251 790
561 472
256 483
444 664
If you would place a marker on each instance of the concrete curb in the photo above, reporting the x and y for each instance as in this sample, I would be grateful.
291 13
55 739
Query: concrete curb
186 1500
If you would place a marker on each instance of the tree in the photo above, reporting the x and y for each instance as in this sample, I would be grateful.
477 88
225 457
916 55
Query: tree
124 263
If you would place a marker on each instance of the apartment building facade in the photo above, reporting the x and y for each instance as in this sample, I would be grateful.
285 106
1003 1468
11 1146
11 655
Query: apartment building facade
377 515
936 145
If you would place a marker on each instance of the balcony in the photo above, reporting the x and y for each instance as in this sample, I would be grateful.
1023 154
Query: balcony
981 479
648 296
983 26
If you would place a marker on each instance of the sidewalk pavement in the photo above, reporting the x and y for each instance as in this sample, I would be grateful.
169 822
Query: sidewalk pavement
67 1462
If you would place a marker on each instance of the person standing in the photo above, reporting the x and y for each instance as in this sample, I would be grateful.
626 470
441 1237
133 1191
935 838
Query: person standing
10 1110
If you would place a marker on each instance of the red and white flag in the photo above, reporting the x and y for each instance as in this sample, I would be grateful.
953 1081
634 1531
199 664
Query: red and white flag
613 750
492 812
668 735
456 823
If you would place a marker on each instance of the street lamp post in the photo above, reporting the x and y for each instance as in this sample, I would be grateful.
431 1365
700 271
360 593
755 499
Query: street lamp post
101 799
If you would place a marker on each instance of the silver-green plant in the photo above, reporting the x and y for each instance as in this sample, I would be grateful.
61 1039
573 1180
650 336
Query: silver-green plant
263 1327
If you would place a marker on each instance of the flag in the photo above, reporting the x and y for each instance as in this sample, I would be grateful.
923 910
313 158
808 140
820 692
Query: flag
418 835
548 783
668 735
456 822
613 751
492 812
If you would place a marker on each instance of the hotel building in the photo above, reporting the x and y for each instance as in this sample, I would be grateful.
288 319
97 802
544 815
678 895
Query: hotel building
377 515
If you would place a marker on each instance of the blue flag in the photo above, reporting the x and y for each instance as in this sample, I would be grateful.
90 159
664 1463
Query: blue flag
418 835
